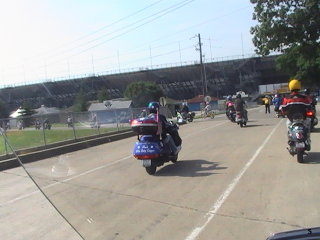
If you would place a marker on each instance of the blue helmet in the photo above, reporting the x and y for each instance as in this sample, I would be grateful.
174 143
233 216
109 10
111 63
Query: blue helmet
153 107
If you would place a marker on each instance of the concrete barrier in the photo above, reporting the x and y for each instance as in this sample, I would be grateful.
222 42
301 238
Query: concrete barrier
38 153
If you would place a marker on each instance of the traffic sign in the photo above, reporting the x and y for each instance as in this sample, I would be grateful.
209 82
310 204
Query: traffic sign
207 99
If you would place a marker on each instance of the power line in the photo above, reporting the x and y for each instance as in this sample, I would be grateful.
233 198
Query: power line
106 26
152 18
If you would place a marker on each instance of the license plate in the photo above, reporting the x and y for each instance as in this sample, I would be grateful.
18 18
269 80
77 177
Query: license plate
300 145
146 162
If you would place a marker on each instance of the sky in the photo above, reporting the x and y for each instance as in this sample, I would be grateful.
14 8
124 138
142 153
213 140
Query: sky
51 40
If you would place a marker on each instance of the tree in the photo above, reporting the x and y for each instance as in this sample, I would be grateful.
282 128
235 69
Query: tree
26 110
290 27
25 113
143 92
103 95
81 102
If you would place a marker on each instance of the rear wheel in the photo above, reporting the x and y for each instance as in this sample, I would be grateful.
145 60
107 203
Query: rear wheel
300 156
241 124
174 159
151 169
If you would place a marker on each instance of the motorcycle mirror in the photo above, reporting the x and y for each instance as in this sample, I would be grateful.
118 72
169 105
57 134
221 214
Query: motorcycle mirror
300 234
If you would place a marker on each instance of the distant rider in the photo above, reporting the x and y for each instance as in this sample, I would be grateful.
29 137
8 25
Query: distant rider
240 105
296 105
153 108
276 102
311 98
185 110
229 106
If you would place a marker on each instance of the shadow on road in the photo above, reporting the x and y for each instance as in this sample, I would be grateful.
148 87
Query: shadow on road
316 130
254 125
190 168
312 158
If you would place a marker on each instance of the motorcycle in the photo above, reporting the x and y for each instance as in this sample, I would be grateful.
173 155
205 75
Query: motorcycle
314 120
298 139
184 117
150 148
231 114
180 119
241 118
37 125
280 114
190 116
47 125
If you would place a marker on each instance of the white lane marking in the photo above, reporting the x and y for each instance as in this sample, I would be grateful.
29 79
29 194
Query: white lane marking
223 197
65 180
87 172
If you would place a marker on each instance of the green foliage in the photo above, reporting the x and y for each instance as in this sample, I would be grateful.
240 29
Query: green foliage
103 95
26 110
141 93
290 27
81 102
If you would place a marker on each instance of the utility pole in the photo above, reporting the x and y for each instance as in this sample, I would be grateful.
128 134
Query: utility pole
150 57
118 60
203 71
92 62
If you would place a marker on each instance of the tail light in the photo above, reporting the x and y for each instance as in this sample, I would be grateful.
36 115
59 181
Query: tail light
299 135
309 114
146 156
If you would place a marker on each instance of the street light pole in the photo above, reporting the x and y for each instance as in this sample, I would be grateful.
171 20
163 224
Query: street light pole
203 71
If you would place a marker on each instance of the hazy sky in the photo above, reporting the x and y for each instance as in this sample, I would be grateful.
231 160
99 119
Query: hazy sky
43 40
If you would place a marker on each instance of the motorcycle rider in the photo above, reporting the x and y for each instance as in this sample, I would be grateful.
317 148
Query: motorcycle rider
276 102
165 128
296 105
311 98
185 108
229 106
240 105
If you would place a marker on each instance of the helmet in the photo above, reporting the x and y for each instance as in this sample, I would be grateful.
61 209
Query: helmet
229 98
294 85
238 95
306 91
153 107
276 95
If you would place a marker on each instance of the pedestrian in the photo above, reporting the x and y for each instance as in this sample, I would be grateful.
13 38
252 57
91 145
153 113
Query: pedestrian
266 101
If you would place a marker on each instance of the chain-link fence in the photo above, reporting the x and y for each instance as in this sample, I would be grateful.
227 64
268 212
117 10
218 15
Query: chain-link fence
43 130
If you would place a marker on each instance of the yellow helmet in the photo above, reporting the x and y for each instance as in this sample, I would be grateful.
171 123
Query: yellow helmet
294 85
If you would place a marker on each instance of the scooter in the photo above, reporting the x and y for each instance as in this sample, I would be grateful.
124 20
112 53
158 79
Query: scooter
180 119
298 139
231 115
150 148
241 118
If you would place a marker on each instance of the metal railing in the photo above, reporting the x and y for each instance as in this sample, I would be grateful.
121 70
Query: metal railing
43 130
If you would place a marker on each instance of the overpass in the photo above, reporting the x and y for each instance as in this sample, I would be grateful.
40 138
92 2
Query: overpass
183 82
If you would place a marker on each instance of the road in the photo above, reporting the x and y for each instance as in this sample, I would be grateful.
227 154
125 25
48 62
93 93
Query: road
229 183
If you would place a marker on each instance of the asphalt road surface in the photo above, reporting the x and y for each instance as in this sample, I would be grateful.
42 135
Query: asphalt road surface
229 183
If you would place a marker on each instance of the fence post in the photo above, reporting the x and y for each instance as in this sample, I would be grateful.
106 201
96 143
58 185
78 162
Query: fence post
43 132
73 128
5 141
117 120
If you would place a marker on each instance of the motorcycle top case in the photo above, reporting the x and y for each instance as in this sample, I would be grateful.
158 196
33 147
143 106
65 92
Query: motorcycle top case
145 126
